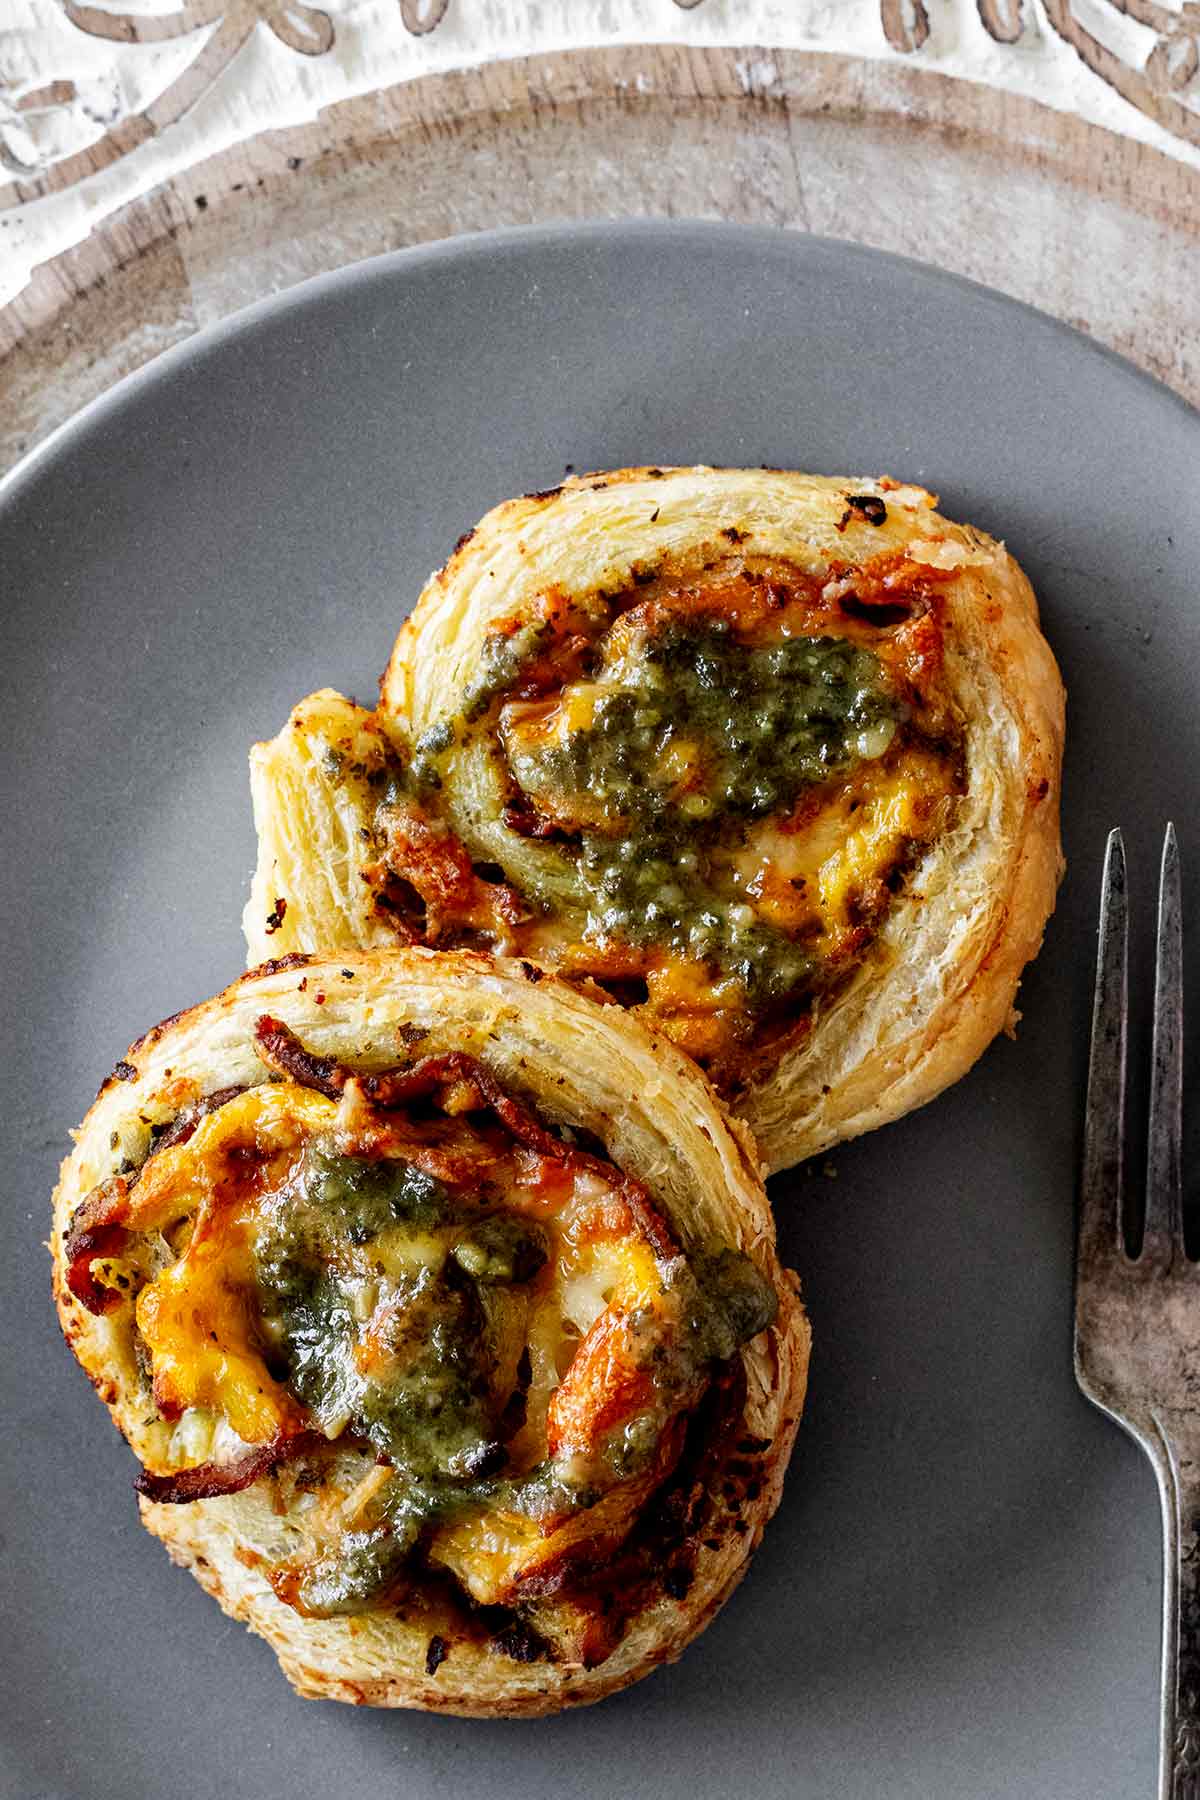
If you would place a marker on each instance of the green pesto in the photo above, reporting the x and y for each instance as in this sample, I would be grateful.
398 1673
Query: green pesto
434 1415
437 1416
367 778
771 720
382 779
428 747
502 656
728 1302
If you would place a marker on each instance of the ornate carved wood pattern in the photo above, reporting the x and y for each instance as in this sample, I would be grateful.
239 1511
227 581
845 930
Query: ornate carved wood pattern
422 16
905 24
1159 88
1005 20
1165 86
302 28
637 129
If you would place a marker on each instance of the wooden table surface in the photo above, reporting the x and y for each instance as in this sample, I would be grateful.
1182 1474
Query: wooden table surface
1092 226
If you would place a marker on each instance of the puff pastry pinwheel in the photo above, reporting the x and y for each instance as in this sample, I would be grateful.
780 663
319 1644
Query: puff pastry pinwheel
440 1306
773 759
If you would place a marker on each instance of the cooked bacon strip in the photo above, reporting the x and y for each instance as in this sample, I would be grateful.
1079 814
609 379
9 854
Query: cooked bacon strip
82 1249
184 1124
436 864
96 1230
522 816
281 1050
209 1480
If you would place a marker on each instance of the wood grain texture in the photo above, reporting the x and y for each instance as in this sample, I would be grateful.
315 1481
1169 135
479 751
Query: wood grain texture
1098 229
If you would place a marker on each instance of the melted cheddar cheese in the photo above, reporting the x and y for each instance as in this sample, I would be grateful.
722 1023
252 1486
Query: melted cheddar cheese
717 782
502 1339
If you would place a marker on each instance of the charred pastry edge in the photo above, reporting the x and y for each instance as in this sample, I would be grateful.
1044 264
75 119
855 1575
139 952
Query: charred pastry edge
896 1037
127 1068
567 1049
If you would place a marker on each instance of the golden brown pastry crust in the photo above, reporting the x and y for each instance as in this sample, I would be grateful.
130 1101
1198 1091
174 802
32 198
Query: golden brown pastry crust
309 827
579 1063
940 979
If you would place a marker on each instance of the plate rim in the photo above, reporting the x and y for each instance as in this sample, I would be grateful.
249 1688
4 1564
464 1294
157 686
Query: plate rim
505 240
815 252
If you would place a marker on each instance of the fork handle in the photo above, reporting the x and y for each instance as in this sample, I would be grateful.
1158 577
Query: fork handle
1177 1462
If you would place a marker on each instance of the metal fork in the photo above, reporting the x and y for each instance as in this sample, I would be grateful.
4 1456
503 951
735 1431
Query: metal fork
1137 1319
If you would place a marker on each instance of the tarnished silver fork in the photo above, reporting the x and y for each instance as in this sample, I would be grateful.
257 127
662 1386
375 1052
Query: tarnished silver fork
1137 1318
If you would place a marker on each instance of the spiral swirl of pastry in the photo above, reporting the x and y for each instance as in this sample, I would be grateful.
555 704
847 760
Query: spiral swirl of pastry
440 1305
772 759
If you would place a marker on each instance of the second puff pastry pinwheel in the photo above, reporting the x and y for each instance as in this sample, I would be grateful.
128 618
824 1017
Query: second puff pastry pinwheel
772 759
440 1306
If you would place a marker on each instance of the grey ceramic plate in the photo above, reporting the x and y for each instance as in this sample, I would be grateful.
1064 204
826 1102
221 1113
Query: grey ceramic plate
959 1595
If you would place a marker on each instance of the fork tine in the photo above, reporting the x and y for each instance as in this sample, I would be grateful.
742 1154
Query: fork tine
1104 1120
1163 1236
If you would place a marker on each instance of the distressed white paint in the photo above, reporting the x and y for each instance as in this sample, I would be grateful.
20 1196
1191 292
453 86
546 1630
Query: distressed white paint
269 85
